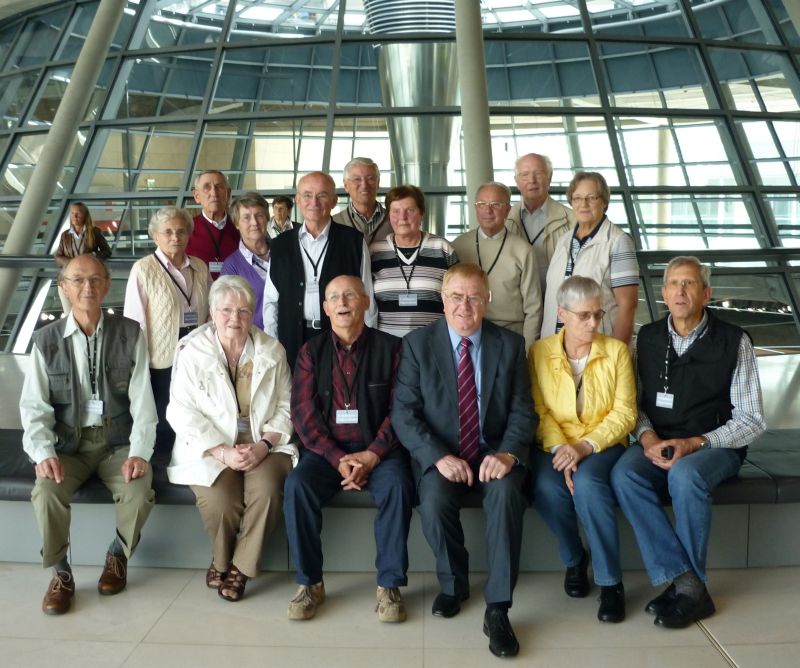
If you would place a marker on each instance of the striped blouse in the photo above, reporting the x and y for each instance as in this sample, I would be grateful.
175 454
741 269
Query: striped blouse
400 280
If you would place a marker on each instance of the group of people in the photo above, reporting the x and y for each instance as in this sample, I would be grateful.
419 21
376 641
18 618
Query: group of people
280 364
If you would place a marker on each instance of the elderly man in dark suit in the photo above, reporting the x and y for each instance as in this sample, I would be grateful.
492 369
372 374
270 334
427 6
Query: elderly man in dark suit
462 407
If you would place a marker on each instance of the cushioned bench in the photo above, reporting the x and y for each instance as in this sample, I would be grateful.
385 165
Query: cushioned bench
770 474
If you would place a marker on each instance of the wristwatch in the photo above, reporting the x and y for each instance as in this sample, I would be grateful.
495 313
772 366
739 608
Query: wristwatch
704 441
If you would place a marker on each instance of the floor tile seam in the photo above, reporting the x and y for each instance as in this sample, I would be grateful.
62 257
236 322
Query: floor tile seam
717 645
168 605
388 648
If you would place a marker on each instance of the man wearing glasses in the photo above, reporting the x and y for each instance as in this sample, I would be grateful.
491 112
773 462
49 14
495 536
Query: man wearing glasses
462 407
509 262
87 409
538 218
341 401
361 181
699 408
304 260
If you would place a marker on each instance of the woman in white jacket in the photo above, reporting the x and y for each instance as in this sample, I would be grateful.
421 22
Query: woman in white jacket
229 407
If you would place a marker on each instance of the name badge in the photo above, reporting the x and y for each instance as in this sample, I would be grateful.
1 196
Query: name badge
190 319
664 399
243 425
346 416
215 267
94 406
407 299
312 289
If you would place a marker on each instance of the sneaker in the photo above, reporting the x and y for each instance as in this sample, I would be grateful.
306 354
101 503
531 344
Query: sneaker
390 606
305 601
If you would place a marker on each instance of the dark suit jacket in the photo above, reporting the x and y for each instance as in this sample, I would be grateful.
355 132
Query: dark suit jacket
425 411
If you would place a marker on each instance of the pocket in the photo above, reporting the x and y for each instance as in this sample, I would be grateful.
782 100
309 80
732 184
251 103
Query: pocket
118 379
60 388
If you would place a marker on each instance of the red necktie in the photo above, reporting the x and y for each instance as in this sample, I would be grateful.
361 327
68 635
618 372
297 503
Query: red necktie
468 419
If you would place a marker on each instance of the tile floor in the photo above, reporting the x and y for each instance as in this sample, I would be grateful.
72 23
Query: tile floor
167 617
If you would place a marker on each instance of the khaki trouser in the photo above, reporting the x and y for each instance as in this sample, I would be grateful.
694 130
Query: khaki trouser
133 501
240 510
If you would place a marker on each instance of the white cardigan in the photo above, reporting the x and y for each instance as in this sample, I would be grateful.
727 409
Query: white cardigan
202 407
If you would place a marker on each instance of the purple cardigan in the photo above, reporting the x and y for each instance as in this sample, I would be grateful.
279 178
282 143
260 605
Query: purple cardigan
237 265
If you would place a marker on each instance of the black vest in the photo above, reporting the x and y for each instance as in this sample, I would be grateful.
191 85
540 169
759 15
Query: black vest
116 363
343 256
700 379
374 379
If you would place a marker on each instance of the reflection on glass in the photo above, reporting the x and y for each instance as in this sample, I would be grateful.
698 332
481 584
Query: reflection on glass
41 245
182 22
786 214
15 93
256 18
44 108
75 34
25 155
640 18
739 20
37 39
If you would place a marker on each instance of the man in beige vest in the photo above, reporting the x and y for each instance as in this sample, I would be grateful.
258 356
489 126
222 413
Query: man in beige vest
361 181
87 409
538 217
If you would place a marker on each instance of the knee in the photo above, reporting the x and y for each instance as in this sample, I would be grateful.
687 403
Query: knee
504 493
685 480
47 491
548 489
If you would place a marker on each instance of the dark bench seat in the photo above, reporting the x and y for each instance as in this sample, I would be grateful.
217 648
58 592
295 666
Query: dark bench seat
770 474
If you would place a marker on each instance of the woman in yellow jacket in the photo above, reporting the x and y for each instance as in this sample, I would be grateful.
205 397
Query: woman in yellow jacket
585 394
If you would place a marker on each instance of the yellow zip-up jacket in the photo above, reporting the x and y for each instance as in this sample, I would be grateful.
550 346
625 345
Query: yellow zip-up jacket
609 387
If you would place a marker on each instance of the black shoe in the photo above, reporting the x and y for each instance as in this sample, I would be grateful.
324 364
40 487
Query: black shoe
445 605
612 604
685 611
662 602
576 579
502 641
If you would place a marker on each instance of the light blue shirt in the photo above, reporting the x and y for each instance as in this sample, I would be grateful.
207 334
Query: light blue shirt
475 354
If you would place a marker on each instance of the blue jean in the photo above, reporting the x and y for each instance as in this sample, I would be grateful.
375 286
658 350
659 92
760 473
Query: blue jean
641 488
593 503
314 482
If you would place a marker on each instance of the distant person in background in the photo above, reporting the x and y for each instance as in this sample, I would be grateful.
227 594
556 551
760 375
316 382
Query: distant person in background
251 261
281 220
361 181
214 237
167 294
408 266
81 238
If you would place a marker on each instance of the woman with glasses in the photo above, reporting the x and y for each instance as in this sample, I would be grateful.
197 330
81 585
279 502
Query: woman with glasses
408 266
600 250
585 394
229 407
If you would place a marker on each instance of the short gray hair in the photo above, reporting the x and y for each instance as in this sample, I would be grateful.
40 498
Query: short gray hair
682 260
577 289
495 184
364 162
548 164
227 284
209 171
248 200
167 213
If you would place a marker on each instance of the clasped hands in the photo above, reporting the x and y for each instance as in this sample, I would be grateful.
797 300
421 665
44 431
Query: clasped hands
355 468
653 446
493 467
567 457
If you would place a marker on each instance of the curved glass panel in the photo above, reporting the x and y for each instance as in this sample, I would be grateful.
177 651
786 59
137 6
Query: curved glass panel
25 155
180 22
15 94
39 36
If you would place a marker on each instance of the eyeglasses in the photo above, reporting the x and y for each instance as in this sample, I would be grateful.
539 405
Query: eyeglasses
494 206
80 281
358 180
674 283
347 296
539 174
583 316
319 197
589 199
228 313
459 299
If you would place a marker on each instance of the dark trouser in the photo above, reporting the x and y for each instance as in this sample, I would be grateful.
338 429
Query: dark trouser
504 506
165 437
314 482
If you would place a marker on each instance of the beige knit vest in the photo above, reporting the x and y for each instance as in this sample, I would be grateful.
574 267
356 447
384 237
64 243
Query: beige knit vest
164 310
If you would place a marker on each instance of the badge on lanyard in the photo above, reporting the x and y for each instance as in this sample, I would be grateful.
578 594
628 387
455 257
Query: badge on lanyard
407 299
312 288
665 399
190 319
344 416
95 406
215 267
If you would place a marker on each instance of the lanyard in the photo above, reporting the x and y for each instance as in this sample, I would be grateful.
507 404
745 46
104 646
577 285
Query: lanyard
525 230
216 241
497 257
349 388
188 297
78 243
91 356
319 257
665 374
400 262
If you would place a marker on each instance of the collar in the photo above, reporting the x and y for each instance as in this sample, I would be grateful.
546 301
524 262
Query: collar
698 329
455 338
77 235
71 326
248 353
249 255
591 235
376 214
304 233
485 236
358 344
534 211
166 260
287 225
219 225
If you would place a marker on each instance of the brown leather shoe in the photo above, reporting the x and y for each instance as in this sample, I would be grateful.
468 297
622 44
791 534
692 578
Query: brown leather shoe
114 576
59 594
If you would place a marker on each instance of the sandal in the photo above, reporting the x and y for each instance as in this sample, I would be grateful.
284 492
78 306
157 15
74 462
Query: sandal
214 578
232 589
